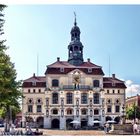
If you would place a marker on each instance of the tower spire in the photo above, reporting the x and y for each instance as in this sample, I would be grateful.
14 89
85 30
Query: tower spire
75 23
75 47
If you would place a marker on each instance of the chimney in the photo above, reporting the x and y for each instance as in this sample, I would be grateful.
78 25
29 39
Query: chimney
113 76
58 59
33 74
88 59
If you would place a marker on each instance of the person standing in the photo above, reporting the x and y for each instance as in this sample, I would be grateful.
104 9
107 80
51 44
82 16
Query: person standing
135 128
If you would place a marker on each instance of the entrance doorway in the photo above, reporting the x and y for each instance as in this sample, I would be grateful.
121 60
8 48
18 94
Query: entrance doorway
117 119
108 118
55 124
83 123
40 122
69 125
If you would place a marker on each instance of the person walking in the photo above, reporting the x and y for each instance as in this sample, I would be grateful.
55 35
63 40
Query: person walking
135 128
107 127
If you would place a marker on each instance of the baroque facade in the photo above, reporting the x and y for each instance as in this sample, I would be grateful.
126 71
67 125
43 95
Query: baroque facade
72 90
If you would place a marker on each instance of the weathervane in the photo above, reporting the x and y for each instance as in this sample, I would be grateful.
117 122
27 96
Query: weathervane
75 23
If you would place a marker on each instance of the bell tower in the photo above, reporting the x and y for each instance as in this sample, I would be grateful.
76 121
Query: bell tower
75 47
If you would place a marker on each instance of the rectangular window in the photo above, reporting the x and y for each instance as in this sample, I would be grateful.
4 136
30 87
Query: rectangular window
33 90
109 109
96 98
96 83
29 91
117 108
39 90
39 108
107 91
55 83
55 98
30 108
69 98
113 91
118 91
84 98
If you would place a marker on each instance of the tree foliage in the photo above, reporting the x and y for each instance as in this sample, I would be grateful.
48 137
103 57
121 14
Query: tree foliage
133 112
9 87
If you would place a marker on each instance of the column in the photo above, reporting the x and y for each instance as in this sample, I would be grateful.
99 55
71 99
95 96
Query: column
47 122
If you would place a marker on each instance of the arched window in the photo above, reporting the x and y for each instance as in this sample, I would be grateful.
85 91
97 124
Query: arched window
55 111
96 112
96 83
117 101
109 101
39 101
84 98
69 111
84 111
55 98
55 83
69 98
75 48
96 98
30 101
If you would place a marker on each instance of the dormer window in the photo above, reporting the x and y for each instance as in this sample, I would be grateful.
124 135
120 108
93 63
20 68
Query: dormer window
61 69
113 84
33 83
89 70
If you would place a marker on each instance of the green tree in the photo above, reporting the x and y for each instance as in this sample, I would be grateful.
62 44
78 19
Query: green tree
133 112
9 88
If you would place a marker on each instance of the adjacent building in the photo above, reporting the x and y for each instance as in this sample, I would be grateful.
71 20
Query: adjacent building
72 90
133 100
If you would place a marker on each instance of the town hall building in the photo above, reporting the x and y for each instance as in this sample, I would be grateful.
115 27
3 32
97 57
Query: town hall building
72 92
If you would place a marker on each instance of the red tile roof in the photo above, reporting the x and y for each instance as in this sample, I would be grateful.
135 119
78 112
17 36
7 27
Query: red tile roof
65 64
95 71
39 80
110 82
55 68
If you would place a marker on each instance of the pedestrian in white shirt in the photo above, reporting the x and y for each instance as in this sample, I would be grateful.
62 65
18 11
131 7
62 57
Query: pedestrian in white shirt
135 128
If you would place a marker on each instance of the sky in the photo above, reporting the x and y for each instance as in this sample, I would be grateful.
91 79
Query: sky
107 31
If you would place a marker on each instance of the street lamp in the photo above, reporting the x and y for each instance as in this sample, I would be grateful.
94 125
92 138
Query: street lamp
135 113
27 118
123 115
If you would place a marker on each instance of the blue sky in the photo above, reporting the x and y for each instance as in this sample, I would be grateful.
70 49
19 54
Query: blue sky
106 30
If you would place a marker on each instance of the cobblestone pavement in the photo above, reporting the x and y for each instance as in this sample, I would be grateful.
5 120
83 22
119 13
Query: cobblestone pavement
72 132
49 132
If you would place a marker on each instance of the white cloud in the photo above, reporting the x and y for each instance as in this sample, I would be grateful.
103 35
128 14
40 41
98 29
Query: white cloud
132 89
128 82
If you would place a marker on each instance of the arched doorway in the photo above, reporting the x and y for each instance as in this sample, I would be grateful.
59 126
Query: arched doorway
69 125
55 124
40 122
117 119
108 118
29 121
83 123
